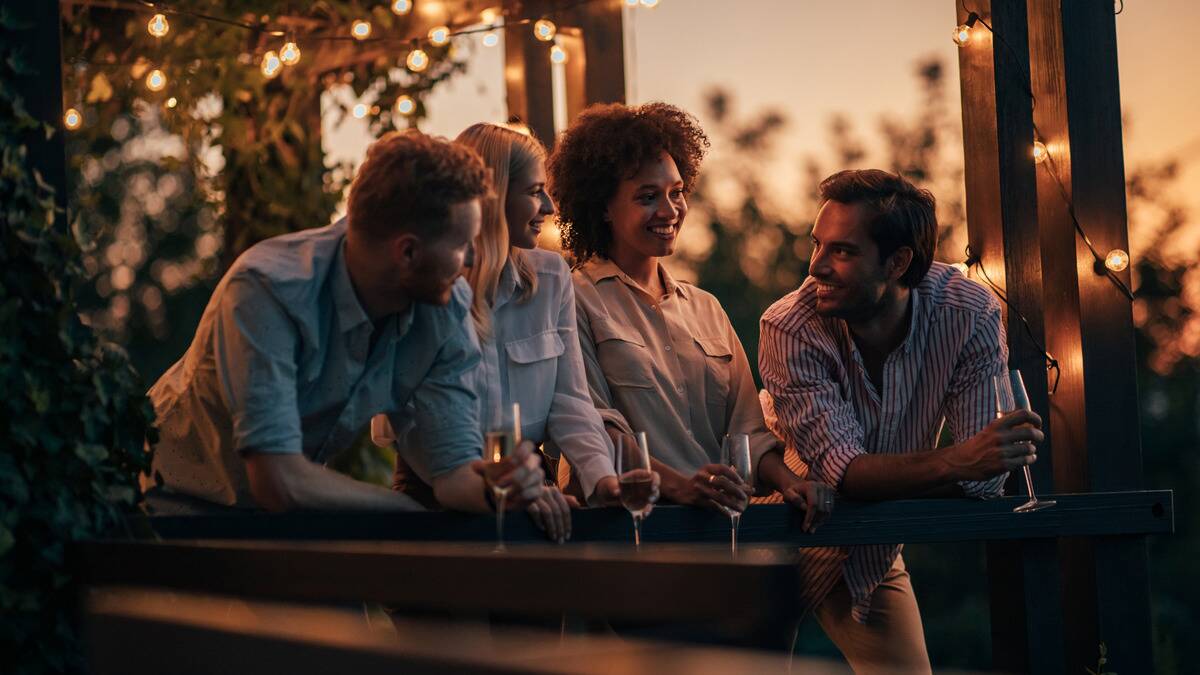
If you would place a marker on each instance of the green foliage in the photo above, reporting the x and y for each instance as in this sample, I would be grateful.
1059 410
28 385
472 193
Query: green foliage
73 418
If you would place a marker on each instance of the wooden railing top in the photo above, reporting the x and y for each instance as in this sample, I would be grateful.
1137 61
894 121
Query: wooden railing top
852 523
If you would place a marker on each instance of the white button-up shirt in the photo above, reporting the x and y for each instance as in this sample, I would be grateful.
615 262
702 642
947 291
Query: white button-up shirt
533 359
282 362
829 411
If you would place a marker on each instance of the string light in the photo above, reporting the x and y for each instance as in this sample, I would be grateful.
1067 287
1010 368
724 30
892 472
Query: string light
417 60
650 3
490 39
72 119
1116 260
361 30
172 102
631 3
156 80
962 34
439 36
271 65
290 53
360 111
158 26
489 16
558 54
405 105
544 30
401 7
1040 153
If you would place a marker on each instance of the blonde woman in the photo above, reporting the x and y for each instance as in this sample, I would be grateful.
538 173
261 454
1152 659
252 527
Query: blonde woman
524 314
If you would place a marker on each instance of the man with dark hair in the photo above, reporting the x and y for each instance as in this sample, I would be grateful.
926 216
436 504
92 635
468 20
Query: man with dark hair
310 334
863 364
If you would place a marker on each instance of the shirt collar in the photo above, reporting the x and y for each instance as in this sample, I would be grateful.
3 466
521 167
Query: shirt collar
349 310
911 338
508 285
599 268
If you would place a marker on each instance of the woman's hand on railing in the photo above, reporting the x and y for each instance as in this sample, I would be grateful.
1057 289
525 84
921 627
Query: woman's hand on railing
814 498
551 512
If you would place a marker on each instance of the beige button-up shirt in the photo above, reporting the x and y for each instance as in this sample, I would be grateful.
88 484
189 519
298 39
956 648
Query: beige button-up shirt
669 366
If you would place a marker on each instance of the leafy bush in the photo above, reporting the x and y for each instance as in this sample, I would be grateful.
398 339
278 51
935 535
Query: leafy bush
73 417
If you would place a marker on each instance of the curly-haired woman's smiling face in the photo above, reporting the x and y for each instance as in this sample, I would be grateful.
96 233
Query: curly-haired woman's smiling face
647 211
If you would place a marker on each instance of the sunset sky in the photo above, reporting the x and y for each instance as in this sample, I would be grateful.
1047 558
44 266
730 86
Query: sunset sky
811 59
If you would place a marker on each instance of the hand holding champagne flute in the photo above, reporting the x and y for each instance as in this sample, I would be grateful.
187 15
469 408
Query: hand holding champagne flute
735 454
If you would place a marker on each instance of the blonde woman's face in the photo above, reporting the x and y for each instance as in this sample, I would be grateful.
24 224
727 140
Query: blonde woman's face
527 205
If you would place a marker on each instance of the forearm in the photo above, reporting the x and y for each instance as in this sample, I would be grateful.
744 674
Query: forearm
876 477
461 490
314 487
773 473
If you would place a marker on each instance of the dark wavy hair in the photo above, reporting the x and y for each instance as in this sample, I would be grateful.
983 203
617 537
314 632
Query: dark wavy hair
898 214
604 145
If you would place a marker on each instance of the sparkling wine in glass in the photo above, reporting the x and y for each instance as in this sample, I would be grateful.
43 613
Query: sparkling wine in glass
735 453
1011 396
499 444
636 481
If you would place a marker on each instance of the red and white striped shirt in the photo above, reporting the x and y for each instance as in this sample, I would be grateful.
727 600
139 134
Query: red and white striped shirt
828 410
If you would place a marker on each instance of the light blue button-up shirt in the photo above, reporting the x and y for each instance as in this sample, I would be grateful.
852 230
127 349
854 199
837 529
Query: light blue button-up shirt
282 362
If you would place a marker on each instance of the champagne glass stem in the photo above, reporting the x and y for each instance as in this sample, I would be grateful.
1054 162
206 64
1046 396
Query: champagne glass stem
735 519
637 532
502 494
1029 483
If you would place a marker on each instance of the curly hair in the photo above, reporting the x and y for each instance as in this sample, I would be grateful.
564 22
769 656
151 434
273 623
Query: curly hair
408 183
604 145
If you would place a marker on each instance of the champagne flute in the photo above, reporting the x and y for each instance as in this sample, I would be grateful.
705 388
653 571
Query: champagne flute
636 481
1010 396
499 443
735 453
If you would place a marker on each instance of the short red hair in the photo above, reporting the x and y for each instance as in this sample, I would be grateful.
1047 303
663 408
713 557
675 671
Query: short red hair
408 183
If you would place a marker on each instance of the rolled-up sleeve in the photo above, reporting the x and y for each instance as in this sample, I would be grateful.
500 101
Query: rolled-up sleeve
574 424
602 399
745 412
445 406
254 348
813 415
971 400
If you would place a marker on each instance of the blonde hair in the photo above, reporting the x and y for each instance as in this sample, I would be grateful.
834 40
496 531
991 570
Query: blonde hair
507 153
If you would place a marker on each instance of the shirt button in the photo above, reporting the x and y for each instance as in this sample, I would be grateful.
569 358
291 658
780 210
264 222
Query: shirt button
654 307
679 388
668 347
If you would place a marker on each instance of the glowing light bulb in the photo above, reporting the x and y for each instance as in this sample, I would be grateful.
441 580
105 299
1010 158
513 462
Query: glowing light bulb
271 65
401 7
961 267
156 80
72 119
439 36
544 30
962 35
290 54
558 54
490 39
158 26
1039 152
417 60
1116 260
361 30
489 15
650 3
172 102
360 111
631 3
405 105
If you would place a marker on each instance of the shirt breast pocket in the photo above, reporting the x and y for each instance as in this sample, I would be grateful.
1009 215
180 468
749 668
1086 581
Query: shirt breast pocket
717 359
532 373
623 356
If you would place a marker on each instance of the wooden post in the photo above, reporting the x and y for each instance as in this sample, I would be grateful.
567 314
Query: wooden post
1003 232
1094 415
595 69
42 92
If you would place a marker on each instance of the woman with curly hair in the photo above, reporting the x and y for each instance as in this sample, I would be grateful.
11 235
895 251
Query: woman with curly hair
523 311
661 355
